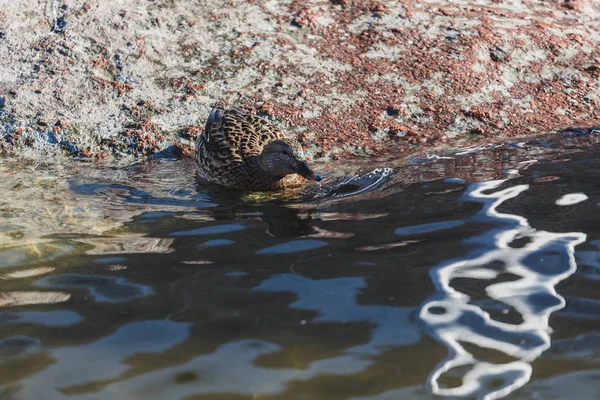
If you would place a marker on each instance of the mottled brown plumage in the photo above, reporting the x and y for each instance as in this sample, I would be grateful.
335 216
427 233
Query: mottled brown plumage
243 151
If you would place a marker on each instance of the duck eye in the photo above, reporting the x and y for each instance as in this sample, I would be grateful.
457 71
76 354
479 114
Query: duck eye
284 152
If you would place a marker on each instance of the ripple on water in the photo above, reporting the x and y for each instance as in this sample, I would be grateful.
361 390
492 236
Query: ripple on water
33 253
293 246
45 318
210 230
17 345
102 289
427 228
149 286
22 298
217 243
27 273
105 359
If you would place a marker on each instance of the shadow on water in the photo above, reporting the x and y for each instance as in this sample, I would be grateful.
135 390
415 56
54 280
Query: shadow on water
468 275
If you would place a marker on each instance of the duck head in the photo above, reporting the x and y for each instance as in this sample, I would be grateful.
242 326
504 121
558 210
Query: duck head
283 157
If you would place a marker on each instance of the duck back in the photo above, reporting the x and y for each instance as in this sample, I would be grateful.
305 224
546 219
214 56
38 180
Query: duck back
228 151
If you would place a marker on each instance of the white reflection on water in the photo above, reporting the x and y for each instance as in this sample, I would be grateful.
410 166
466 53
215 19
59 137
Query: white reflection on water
535 268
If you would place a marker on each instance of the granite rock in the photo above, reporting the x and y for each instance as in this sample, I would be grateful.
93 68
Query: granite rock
130 79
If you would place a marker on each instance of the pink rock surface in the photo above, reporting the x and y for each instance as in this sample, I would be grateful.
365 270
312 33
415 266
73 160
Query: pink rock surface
102 79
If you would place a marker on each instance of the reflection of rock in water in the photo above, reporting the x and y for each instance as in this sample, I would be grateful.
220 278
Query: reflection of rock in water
536 261
11 299
130 244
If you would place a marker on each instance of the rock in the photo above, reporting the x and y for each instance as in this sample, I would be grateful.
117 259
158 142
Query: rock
306 16
498 54
370 75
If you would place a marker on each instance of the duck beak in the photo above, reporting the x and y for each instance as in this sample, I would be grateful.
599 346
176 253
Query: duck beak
305 171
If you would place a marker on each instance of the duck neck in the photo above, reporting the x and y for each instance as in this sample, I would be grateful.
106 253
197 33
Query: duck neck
260 171
268 168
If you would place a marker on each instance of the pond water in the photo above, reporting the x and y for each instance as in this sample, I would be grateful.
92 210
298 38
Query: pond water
471 275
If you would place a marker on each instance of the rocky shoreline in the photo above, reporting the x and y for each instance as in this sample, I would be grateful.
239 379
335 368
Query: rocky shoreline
132 79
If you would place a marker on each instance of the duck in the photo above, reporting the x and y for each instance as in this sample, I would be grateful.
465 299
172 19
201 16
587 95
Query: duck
245 152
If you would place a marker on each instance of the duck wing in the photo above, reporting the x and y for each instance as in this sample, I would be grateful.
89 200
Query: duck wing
235 135
212 146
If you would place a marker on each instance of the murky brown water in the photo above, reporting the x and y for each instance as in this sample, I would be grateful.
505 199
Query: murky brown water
474 276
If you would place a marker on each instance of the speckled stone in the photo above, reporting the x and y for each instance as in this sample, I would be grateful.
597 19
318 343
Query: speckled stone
346 76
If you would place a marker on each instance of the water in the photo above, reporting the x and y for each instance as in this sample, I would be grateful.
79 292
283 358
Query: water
465 275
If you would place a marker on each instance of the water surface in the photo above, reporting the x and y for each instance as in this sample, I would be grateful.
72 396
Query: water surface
472 274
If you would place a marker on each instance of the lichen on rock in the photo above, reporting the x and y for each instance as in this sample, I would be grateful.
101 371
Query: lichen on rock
132 79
